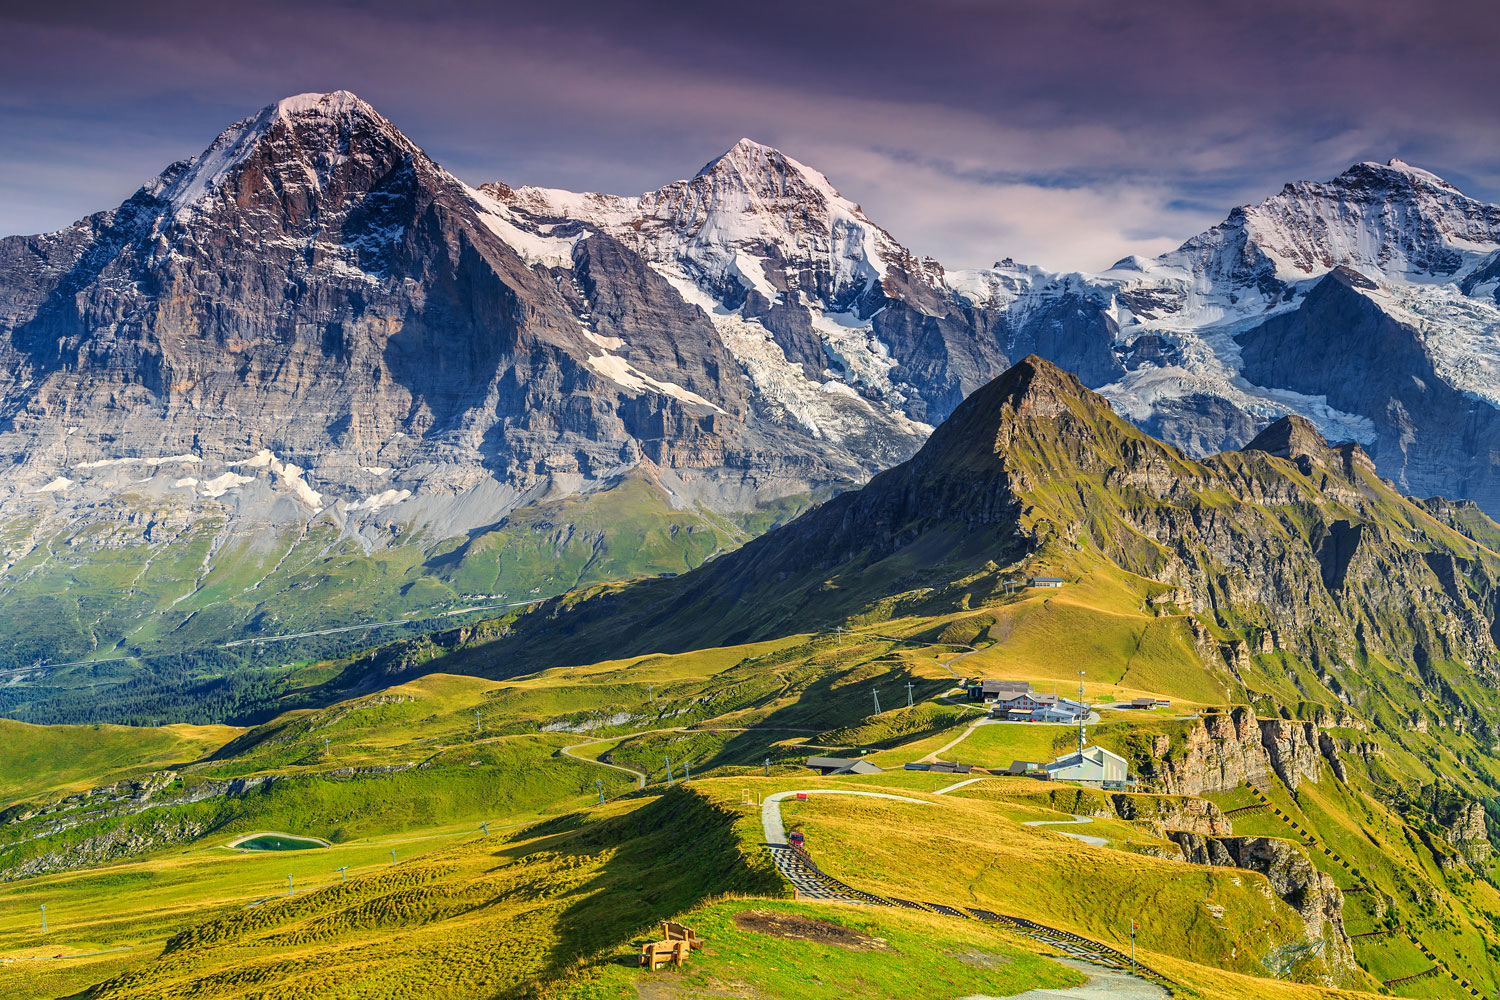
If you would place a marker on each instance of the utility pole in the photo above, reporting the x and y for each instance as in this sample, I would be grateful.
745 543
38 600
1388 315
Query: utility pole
1083 720
1132 947
344 871
599 784
876 693
44 918
909 686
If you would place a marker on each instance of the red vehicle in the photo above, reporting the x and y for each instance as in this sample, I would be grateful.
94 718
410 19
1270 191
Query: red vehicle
794 838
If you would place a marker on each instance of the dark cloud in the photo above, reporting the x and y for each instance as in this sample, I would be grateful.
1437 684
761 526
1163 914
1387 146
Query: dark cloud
1065 131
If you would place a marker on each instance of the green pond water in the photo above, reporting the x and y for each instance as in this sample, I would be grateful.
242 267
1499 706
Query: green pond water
273 842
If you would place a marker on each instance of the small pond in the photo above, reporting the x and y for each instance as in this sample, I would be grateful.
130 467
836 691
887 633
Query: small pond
277 842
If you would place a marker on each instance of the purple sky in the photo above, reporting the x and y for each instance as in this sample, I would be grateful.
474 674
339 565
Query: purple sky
1061 132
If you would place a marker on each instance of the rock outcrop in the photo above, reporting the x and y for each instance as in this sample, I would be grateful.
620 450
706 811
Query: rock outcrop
1314 895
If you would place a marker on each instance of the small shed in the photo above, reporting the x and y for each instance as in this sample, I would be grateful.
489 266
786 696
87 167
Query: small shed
950 767
842 765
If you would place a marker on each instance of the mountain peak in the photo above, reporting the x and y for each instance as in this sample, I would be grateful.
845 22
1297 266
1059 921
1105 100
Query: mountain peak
326 119
1397 169
746 152
334 104
1032 393
765 169
1293 437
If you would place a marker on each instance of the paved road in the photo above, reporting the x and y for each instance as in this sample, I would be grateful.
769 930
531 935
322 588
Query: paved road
639 776
937 754
770 809
1103 984
1076 820
954 788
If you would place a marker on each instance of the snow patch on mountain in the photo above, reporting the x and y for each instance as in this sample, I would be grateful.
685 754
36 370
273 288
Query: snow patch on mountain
622 373
388 498
1460 332
534 247
830 410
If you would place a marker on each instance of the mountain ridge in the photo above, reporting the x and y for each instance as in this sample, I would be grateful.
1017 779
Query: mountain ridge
314 341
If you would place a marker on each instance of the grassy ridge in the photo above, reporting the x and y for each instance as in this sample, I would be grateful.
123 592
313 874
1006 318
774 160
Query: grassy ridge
478 918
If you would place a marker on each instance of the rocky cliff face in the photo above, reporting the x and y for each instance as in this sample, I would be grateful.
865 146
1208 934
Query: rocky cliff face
1224 750
1470 836
1314 895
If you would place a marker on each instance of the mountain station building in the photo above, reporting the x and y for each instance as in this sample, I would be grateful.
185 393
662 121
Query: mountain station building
1093 766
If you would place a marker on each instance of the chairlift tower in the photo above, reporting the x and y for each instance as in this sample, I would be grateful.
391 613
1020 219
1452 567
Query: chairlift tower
876 693
909 686
599 784
344 872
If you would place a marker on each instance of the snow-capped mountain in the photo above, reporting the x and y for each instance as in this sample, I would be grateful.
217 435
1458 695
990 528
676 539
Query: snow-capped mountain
792 275
314 288
1366 303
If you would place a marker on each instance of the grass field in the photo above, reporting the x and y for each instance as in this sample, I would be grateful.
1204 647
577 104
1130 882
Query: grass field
801 951
413 767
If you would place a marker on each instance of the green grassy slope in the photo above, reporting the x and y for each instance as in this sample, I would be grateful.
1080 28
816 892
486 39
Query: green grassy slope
149 616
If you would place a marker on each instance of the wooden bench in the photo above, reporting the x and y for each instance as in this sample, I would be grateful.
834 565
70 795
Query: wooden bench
659 953
673 931
678 943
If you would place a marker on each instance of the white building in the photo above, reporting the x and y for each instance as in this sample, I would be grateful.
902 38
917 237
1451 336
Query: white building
1061 710
1094 766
